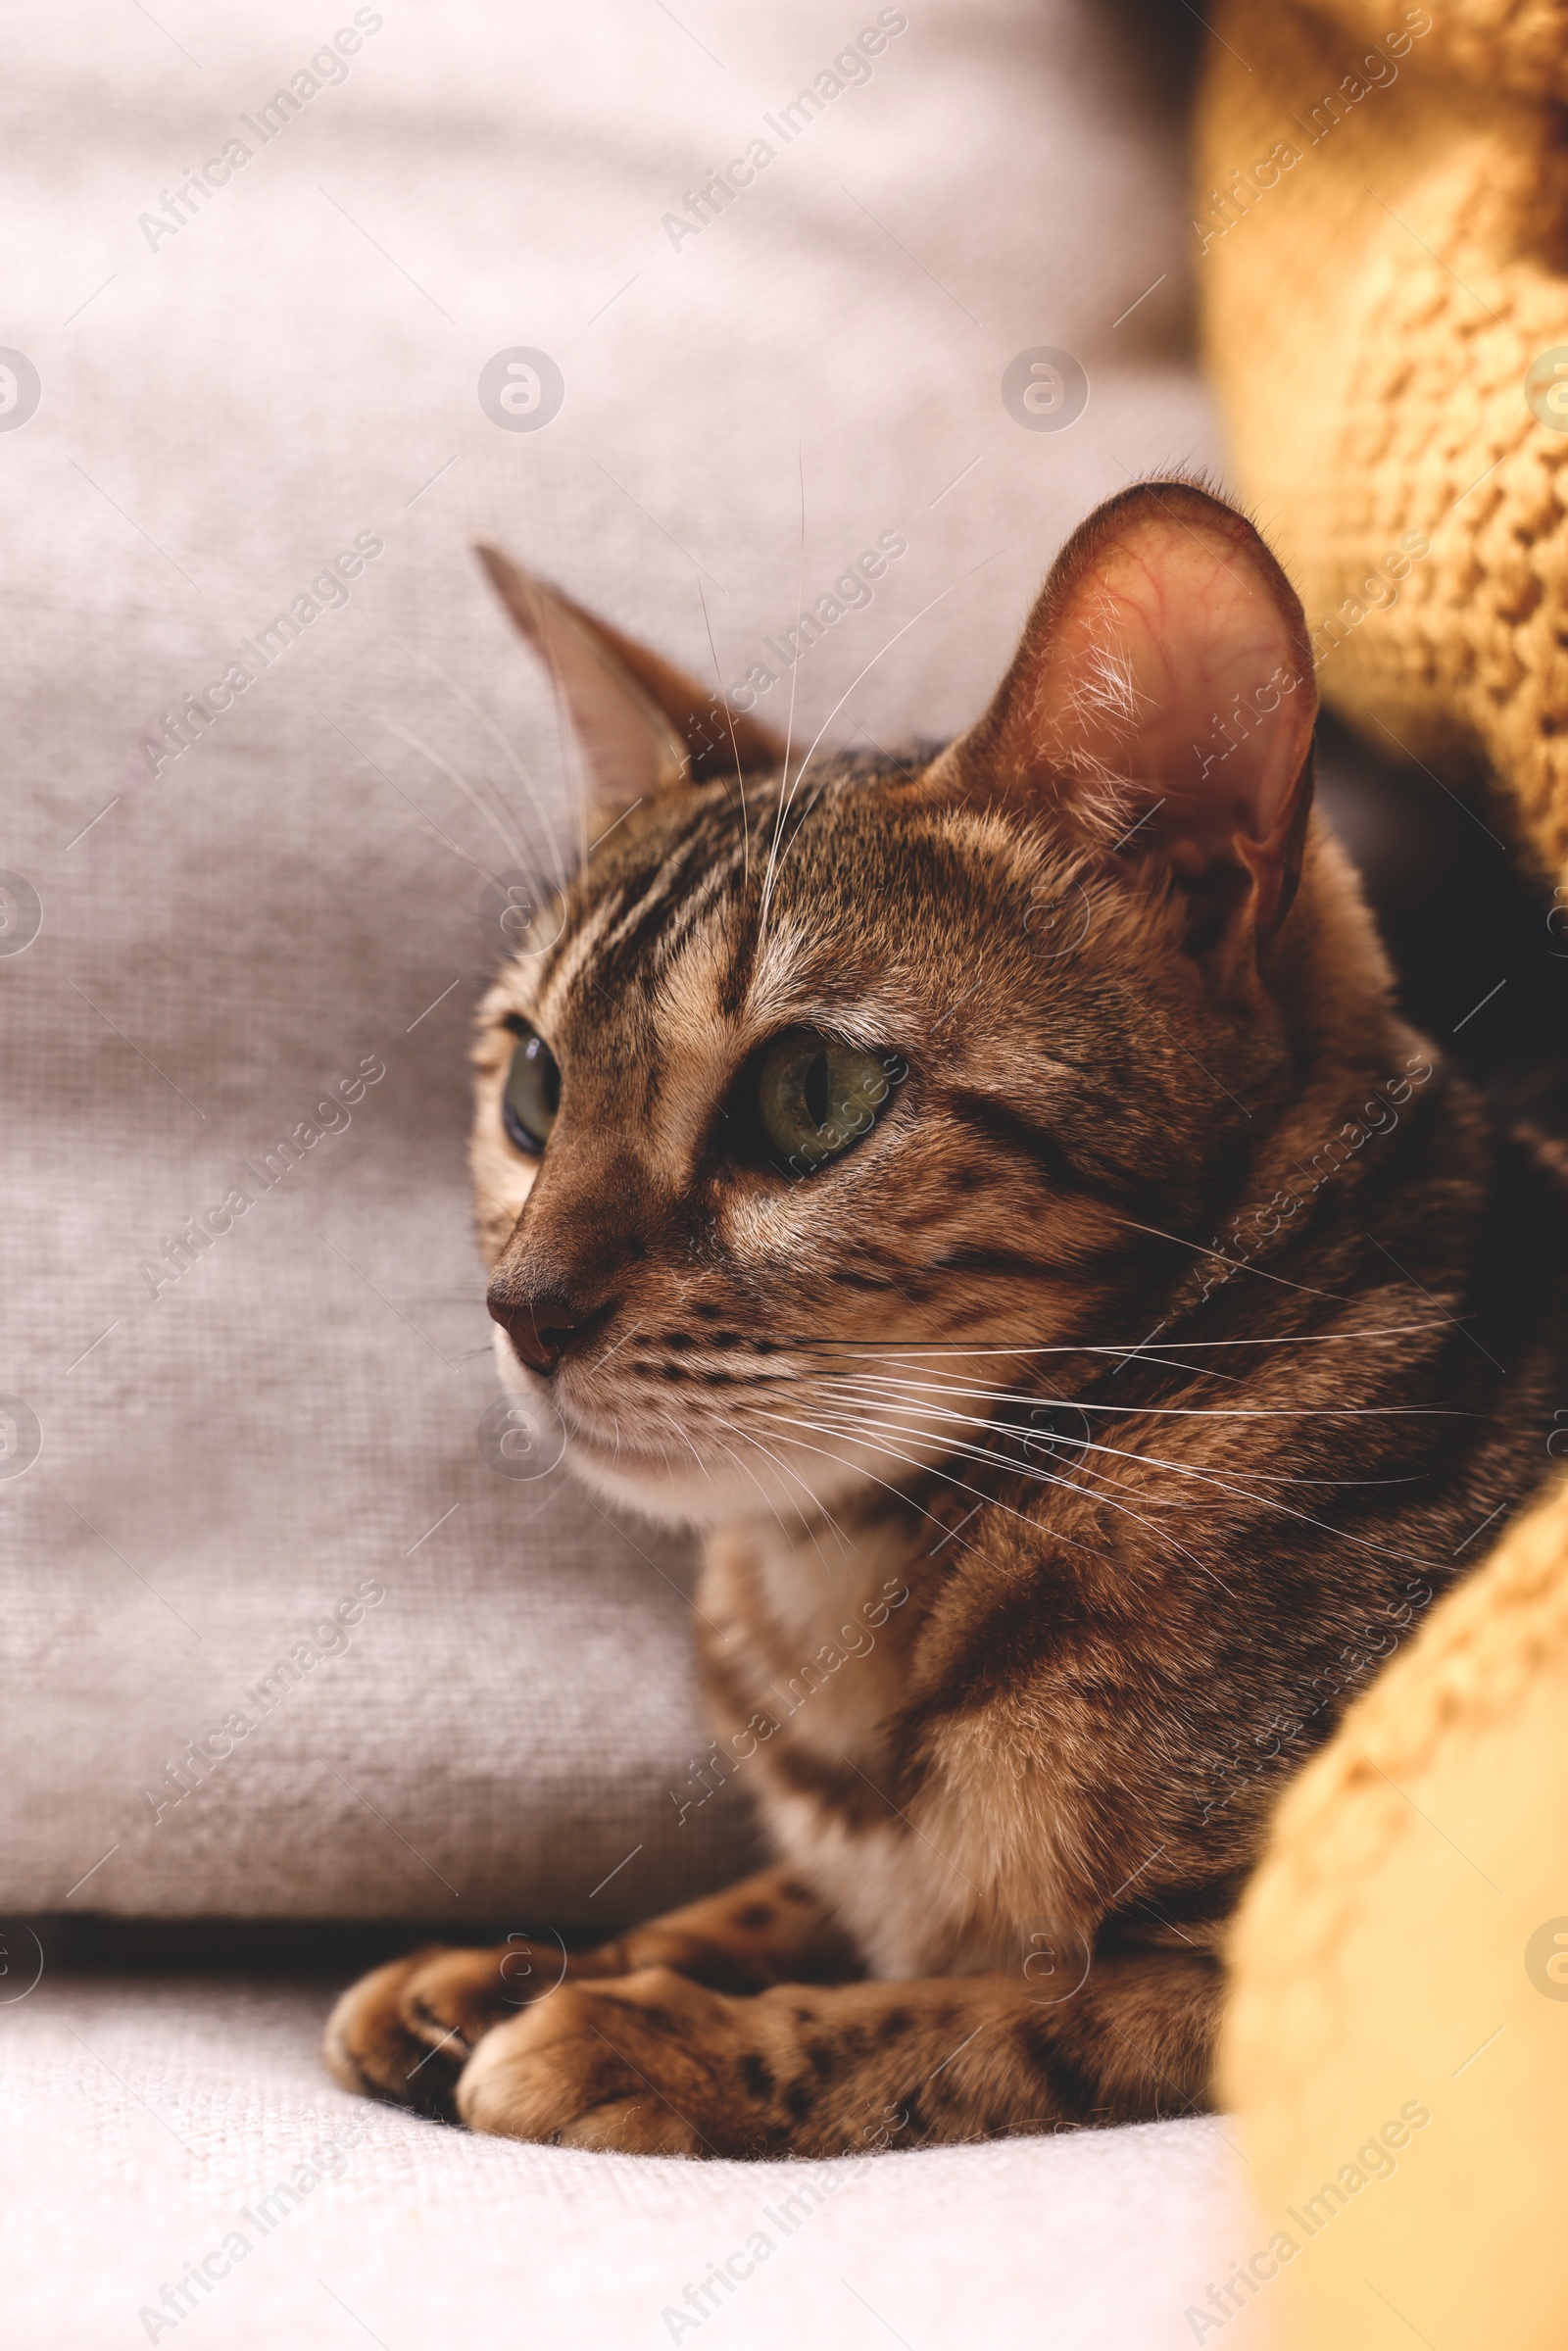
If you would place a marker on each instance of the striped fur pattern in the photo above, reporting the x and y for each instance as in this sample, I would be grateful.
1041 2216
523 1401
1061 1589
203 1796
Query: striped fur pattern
1070 1450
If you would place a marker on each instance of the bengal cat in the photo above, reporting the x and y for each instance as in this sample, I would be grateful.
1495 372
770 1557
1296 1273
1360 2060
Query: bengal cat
992 1193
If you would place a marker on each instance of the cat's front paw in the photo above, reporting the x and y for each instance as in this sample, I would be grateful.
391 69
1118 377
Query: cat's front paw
647 2063
406 2032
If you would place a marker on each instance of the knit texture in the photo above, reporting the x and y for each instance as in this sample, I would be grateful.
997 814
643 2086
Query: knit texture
1382 218
1373 300
1509 44
1395 1948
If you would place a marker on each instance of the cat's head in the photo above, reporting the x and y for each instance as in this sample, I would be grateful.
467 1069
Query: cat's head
846 1091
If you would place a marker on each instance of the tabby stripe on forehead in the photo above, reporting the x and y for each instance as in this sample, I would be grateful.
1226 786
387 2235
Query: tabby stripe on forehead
577 947
735 980
693 909
667 884
645 908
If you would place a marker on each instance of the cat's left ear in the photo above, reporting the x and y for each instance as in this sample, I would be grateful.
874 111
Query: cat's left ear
641 723
1162 702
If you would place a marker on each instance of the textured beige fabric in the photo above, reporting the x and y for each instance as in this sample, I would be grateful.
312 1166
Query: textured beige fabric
224 408
144 2125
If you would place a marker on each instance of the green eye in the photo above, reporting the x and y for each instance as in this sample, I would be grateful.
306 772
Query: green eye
816 1098
531 1096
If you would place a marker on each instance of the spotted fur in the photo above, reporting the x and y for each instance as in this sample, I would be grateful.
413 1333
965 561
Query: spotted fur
1071 1449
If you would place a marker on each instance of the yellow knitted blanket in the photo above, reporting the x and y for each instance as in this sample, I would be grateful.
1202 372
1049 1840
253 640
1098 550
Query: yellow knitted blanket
1381 219
1382 223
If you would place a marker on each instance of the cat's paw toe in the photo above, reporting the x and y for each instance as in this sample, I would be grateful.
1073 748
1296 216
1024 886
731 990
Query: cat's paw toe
649 2063
406 2032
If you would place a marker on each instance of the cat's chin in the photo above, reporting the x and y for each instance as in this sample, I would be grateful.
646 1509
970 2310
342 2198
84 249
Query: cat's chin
661 1492
669 1492
683 1493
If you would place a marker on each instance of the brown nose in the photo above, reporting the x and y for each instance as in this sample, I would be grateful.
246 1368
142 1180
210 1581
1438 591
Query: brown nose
541 1324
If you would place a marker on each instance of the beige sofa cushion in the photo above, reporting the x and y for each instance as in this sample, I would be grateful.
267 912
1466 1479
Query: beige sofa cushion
150 2125
235 936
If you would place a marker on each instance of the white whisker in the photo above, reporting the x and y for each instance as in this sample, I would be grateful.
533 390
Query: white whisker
787 794
1003 1396
1396 1330
740 780
789 729
1181 1469
747 1471
1043 1476
517 768
1236 1264
907 1400
926 1469
819 1508
512 847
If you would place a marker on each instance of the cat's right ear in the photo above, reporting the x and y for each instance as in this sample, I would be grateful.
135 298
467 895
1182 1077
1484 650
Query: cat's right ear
1161 706
641 723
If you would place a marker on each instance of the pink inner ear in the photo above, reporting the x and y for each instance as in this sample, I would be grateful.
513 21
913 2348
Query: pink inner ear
1173 668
